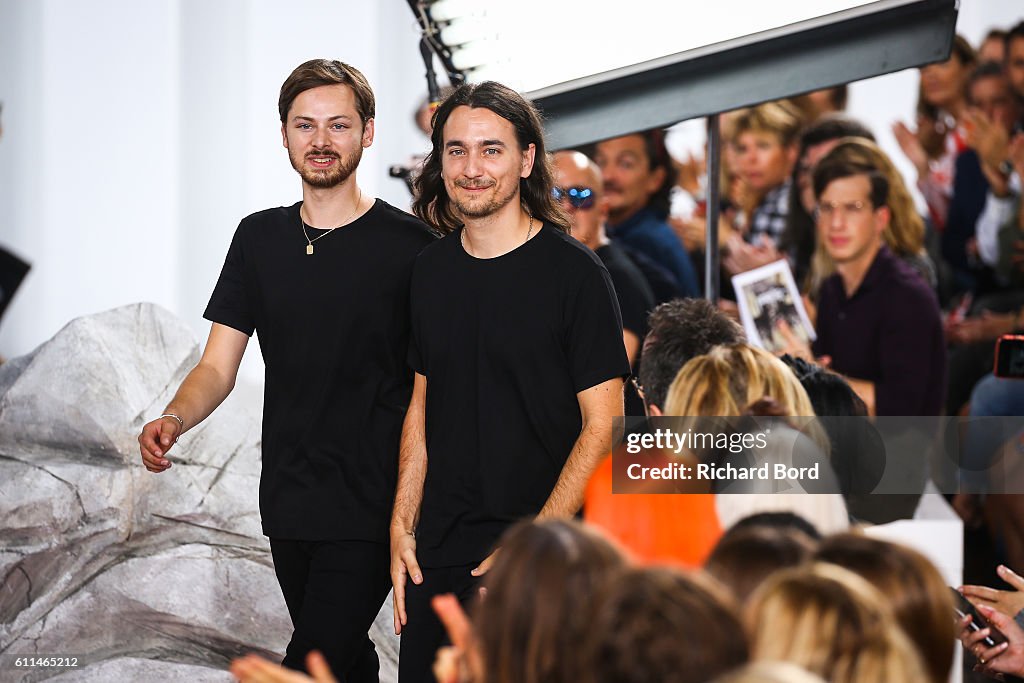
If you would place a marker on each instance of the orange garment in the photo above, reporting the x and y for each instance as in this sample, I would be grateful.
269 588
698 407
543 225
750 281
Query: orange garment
656 528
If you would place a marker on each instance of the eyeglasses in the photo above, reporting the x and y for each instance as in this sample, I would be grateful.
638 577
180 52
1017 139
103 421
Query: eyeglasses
579 197
828 209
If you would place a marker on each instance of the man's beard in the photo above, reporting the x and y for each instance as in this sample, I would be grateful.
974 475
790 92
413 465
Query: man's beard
482 208
326 178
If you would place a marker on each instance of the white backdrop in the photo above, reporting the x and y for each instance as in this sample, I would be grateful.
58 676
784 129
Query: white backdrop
137 134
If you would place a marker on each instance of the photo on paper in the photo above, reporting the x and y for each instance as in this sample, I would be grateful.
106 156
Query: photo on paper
766 296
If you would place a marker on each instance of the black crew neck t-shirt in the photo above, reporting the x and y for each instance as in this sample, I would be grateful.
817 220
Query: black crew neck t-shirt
505 344
334 332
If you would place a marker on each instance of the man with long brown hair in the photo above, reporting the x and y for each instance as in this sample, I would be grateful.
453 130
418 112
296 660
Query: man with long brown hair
518 354
324 283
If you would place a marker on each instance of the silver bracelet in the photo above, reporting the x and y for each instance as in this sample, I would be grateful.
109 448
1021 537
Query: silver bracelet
180 421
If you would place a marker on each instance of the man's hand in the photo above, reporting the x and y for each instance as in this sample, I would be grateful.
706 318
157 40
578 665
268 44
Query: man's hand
1007 602
255 669
403 564
156 439
486 564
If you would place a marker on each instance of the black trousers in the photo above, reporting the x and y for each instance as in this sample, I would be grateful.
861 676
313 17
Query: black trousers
423 632
334 590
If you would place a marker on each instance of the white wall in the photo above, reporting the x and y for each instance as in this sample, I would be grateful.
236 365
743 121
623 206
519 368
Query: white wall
137 134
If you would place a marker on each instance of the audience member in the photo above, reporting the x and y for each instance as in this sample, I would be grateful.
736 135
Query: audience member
648 524
535 614
993 46
726 382
764 151
747 555
638 178
932 149
857 453
788 522
988 121
878 322
904 233
798 239
579 188
834 624
917 593
660 625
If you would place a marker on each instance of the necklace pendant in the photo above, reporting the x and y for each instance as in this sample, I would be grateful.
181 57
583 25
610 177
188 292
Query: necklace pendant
309 249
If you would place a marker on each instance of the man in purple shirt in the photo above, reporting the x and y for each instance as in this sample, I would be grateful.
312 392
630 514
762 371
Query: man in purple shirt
878 321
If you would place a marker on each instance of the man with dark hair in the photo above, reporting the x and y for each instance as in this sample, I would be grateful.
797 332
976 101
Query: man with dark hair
678 331
518 354
325 284
878 321
638 178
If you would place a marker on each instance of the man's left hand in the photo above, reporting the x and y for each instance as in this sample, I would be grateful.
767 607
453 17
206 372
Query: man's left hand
485 565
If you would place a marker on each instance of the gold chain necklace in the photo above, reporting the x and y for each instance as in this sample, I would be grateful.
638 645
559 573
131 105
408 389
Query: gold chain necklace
462 236
309 242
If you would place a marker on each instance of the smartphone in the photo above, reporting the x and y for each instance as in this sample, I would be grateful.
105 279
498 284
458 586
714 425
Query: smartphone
1010 357
964 607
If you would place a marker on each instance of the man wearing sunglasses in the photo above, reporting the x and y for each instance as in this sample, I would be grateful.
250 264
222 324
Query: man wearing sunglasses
578 187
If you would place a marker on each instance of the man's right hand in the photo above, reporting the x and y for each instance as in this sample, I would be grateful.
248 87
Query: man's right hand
403 564
156 439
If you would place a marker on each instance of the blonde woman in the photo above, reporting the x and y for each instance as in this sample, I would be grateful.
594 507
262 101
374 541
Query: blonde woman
738 379
833 623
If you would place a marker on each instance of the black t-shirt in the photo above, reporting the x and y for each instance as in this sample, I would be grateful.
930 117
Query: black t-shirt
334 332
632 291
505 344
635 301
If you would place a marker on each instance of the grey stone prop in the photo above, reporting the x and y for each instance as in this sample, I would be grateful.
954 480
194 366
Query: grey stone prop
142 577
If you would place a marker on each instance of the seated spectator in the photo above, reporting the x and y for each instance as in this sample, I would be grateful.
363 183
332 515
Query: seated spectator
787 522
833 623
727 381
580 190
905 232
747 555
917 593
764 151
878 322
993 46
535 614
798 240
638 178
933 147
660 625
857 453
989 119
647 524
